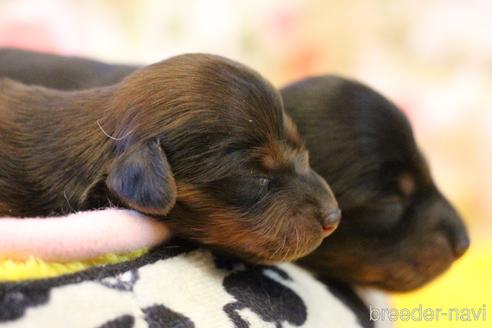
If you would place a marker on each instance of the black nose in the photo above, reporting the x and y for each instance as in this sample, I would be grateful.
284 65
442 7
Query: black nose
330 220
456 230
460 244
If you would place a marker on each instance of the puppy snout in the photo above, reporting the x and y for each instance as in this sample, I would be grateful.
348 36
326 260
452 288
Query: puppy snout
330 218
329 213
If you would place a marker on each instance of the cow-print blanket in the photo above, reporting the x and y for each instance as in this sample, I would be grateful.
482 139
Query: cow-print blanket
182 287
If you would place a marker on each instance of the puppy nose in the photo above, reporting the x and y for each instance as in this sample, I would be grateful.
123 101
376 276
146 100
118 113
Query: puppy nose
456 230
461 245
330 220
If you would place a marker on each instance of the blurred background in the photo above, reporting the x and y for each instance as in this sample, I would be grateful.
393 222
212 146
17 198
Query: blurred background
433 58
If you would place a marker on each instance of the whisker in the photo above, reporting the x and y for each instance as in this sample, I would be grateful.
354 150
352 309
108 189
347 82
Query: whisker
109 136
68 202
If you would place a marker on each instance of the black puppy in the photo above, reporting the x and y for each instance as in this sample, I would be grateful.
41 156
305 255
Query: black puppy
58 72
198 134
398 231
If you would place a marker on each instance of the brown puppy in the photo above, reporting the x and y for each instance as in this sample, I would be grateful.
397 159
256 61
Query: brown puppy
199 135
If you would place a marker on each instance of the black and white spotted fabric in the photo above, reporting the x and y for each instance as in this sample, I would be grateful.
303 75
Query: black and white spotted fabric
182 287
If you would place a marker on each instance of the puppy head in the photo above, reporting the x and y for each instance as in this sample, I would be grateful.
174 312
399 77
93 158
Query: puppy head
398 231
241 173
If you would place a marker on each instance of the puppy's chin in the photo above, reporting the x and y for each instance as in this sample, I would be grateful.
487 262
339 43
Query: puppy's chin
291 243
270 254
257 240
259 245
399 268
407 274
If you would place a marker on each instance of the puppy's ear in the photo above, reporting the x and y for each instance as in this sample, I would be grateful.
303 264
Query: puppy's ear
142 178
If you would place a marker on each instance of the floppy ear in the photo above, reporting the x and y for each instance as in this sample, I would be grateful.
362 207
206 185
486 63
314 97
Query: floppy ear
143 180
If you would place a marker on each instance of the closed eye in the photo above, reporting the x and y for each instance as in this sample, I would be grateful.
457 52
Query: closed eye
390 212
244 191
394 205
263 182
259 184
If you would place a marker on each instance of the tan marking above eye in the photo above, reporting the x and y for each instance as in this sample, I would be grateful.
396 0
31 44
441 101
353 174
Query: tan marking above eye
268 162
303 161
281 156
406 184
270 155
291 133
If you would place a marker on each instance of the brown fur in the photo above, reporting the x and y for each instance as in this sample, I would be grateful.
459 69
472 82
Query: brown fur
178 139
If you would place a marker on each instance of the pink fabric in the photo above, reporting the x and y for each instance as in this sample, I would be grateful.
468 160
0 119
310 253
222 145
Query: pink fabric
79 236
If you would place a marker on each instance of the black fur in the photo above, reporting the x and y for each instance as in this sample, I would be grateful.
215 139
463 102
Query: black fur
398 231
58 72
